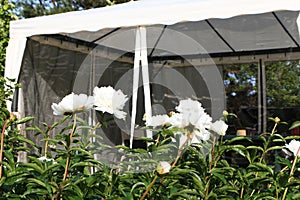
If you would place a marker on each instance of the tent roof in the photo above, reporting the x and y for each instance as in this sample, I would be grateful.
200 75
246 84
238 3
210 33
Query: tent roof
250 25
145 12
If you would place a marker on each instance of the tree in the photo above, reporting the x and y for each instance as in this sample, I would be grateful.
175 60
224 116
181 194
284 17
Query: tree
6 15
33 8
283 83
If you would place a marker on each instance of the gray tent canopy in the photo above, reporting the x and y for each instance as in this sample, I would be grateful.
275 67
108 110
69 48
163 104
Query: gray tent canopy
179 45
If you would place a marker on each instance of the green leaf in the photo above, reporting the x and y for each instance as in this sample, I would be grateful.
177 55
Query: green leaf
265 196
296 196
10 157
237 148
280 136
237 138
53 185
216 173
182 193
230 189
2 180
73 188
255 147
294 125
35 191
24 120
293 137
23 139
33 166
136 185
55 141
84 164
282 179
274 148
198 181
51 167
81 150
40 183
261 167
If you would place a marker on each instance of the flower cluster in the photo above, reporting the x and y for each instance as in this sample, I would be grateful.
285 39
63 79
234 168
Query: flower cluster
190 116
104 99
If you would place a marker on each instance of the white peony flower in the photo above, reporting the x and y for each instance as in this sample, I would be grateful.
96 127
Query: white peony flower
176 120
158 120
201 135
111 101
204 122
73 103
191 111
197 137
219 127
163 167
191 114
293 146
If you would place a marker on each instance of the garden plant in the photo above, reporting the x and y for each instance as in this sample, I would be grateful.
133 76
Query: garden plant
189 156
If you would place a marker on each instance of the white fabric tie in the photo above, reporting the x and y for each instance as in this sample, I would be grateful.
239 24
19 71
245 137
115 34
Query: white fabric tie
140 56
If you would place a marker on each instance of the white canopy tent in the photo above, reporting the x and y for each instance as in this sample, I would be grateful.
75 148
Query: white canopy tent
227 31
165 12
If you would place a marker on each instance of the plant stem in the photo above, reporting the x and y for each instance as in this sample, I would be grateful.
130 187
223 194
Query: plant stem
211 162
157 140
242 192
148 188
95 127
46 143
2 145
212 153
268 142
291 173
68 160
180 150
264 152
69 152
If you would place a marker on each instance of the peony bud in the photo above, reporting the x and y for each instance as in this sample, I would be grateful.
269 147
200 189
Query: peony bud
277 120
144 117
225 113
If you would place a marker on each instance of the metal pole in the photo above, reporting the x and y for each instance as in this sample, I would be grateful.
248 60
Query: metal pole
259 115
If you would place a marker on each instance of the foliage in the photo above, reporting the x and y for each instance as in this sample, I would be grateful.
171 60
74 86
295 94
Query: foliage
282 84
230 168
241 85
32 8
65 167
6 15
283 77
